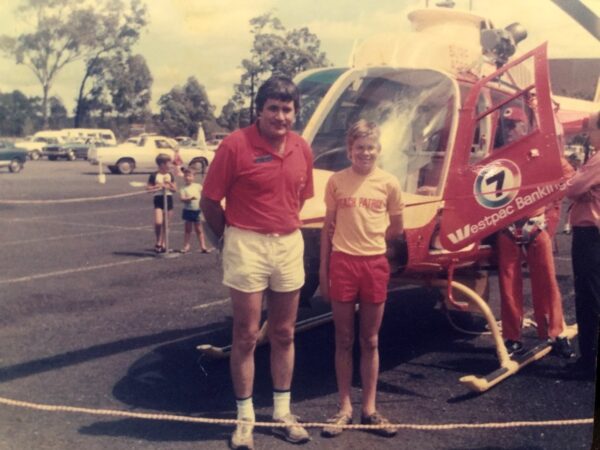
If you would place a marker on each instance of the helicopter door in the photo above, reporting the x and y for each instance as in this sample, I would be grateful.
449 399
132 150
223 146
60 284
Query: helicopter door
522 169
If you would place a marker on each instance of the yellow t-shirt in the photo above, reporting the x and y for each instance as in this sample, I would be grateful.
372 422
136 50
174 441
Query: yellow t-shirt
362 205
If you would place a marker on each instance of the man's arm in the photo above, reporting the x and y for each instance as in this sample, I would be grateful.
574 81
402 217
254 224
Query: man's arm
585 178
214 215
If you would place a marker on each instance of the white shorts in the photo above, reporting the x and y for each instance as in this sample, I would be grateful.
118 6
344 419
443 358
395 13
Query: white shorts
253 262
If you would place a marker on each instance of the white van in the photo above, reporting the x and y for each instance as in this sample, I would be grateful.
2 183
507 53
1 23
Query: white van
90 134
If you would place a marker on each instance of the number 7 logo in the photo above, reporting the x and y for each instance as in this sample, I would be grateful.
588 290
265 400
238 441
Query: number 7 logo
497 184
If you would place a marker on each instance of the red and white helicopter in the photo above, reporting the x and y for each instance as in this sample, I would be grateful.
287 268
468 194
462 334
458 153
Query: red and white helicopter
443 106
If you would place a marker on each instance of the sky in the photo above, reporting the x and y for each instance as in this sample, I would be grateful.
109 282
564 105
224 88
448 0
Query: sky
209 38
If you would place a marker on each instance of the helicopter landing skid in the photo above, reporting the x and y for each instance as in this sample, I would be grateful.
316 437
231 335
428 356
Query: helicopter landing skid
482 384
508 366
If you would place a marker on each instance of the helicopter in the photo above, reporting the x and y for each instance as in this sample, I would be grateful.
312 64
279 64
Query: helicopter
447 110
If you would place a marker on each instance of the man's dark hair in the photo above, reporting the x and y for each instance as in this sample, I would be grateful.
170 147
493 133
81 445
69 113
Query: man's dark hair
277 88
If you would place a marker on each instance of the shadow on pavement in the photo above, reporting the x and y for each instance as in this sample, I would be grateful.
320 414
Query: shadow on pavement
74 357
175 378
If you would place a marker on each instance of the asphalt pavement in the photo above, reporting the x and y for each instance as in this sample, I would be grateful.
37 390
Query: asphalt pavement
90 318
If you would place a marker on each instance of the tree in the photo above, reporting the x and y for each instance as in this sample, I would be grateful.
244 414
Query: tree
18 114
65 31
58 117
275 50
120 84
119 28
182 108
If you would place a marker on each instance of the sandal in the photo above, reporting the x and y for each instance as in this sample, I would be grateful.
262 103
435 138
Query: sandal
207 250
184 250
339 419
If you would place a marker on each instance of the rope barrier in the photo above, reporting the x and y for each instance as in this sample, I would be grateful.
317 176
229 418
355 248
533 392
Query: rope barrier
69 200
215 421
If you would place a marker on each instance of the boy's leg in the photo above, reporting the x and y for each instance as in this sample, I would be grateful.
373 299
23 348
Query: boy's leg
371 316
343 319
200 234
187 235
158 224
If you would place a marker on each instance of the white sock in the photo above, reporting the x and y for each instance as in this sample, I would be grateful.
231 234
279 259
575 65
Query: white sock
281 404
245 409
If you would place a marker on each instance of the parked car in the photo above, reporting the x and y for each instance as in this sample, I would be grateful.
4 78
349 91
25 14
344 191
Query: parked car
35 145
12 157
140 157
71 150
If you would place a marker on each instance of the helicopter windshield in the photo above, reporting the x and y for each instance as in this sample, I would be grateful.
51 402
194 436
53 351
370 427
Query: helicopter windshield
313 88
414 109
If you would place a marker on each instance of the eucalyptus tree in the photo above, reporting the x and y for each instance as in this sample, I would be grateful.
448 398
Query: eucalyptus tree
65 31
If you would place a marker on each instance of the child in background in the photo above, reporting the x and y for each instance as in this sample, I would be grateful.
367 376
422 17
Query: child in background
162 178
190 196
364 209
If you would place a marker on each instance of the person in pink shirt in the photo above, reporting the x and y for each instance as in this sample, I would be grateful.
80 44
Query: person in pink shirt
584 190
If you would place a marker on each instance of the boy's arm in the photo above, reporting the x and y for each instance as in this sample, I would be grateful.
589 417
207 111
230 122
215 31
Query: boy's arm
394 236
326 236
396 227
151 185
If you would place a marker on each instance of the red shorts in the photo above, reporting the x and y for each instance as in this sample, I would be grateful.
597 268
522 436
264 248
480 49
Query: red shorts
363 278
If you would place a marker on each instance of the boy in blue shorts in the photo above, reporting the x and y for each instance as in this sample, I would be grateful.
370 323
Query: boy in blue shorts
158 181
364 209
190 196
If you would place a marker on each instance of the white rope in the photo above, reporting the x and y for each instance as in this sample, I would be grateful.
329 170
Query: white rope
69 200
215 421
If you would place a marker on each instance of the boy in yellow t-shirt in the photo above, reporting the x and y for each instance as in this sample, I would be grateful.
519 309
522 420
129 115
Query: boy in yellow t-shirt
364 209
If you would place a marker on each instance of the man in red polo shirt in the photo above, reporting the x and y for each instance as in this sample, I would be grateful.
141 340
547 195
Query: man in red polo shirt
264 173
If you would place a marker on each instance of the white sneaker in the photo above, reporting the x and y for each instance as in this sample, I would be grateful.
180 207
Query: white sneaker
242 438
293 432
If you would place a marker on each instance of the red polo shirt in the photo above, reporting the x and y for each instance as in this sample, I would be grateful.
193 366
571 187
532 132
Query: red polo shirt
263 190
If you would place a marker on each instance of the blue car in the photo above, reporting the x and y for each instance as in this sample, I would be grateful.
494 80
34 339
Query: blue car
12 157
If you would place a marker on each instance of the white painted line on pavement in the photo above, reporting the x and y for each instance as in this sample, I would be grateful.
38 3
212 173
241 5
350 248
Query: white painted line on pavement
78 270
72 236
97 225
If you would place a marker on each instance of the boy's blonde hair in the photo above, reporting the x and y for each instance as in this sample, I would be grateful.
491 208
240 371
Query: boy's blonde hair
360 129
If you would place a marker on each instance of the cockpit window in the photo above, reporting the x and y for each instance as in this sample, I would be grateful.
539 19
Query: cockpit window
312 89
414 109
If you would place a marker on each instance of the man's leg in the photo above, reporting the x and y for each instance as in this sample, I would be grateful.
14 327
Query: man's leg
343 319
371 315
281 315
282 310
545 293
246 321
586 271
511 287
